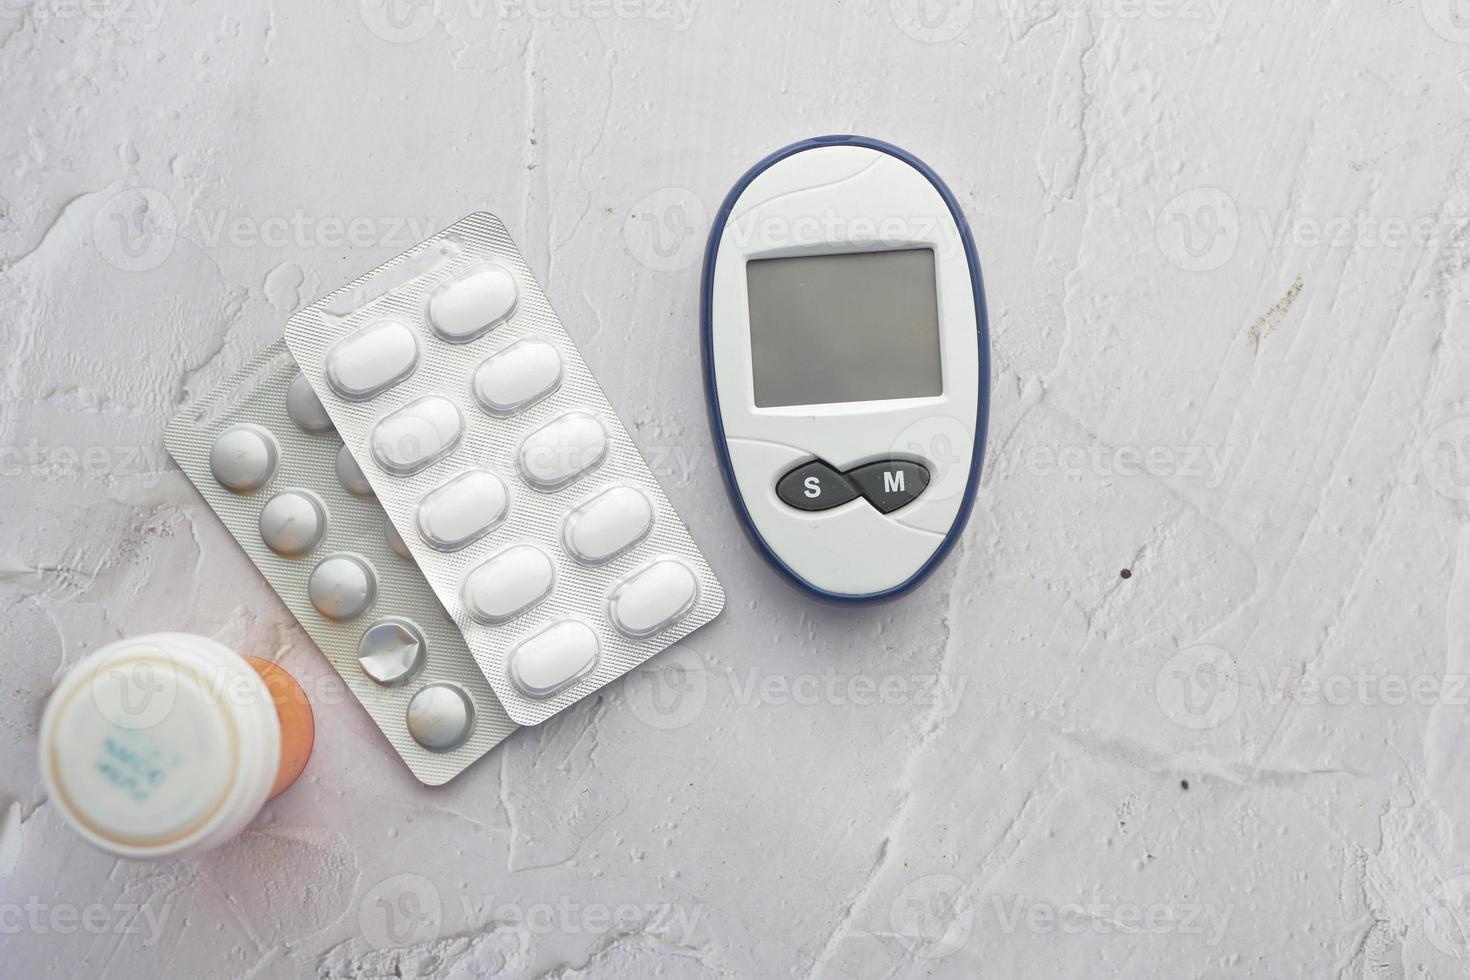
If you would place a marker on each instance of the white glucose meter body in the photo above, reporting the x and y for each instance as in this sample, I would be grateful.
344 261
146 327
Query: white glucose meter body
847 368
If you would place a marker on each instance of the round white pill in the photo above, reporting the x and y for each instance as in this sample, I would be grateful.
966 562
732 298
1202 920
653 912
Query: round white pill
292 523
243 458
305 408
391 650
341 587
396 542
350 475
440 716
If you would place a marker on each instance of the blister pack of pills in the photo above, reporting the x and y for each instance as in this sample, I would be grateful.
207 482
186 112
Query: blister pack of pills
264 455
512 480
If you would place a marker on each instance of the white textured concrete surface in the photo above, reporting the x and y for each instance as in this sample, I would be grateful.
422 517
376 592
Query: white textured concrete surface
1225 247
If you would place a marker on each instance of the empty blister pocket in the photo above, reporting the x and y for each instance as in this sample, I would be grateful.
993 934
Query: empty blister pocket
499 389
266 459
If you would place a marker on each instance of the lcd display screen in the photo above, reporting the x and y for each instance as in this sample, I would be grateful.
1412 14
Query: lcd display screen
862 326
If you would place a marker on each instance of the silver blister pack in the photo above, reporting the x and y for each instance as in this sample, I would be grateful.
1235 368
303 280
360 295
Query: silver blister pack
495 452
265 457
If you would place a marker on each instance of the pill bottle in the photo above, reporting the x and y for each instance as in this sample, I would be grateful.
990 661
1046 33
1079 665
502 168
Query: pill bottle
170 744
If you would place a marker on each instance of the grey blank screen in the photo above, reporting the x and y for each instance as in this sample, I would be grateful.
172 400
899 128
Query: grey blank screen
844 328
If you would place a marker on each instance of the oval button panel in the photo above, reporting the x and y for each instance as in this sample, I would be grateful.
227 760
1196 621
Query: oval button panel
508 584
548 663
418 434
607 525
653 598
562 450
372 360
462 510
517 377
464 308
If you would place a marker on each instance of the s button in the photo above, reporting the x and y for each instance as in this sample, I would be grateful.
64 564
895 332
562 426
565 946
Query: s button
814 486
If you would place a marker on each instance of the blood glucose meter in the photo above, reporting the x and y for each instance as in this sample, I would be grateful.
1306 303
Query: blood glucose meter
846 362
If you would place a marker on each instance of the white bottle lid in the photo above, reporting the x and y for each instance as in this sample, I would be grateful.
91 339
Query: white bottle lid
160 746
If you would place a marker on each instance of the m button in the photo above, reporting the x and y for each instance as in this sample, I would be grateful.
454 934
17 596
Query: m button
891 484
814 486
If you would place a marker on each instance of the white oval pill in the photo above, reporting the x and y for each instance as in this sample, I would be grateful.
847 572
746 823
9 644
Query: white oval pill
508 584
608 524
440 717
462 510
341 587
372 360
517 377
417 435
243 458
292 523
654 597
396 542
350 475
464 308
305 408
553 660
562 450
